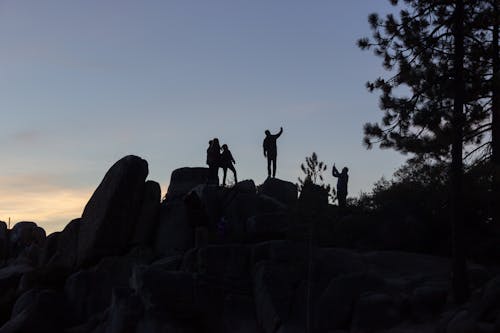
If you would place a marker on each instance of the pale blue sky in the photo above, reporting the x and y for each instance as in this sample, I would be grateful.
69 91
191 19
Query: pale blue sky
85 82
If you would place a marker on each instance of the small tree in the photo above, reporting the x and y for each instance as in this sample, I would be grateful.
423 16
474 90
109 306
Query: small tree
313 170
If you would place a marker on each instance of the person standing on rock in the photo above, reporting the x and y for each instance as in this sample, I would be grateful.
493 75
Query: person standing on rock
271 151
226 162
213 161
343 178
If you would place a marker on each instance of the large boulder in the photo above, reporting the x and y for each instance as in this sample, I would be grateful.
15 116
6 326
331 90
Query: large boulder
49 249
148 217
245 186
90 291
9 281
183 180
67 247
3 241
162 289
125 311
283 191
335 306
212 200
280 297
57 260
238 209
482 312
10 275
228 265
233 227
375 312
109 218
174 233
38 312
267 226
24 237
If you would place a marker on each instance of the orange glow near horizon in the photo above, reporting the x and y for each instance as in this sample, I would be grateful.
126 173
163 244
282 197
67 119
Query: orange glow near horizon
51 210
49 207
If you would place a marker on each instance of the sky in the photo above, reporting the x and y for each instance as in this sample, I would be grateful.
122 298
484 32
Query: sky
86 82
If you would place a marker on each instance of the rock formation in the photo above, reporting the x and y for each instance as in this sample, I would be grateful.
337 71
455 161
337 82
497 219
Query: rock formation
210 259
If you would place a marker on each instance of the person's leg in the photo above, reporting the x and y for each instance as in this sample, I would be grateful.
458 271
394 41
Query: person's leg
268 166
234 174
210 176
214 175
342 200
274 167
224 177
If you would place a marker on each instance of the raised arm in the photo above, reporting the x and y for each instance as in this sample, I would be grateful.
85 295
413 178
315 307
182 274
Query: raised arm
335 172
279 133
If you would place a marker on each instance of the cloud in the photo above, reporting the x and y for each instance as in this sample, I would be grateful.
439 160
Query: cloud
26 137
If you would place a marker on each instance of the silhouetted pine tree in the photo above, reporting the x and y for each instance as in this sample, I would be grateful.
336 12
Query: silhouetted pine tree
495 106
419 46
418 99
460 283
433 104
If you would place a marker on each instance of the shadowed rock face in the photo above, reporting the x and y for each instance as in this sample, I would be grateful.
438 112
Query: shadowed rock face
183 180
131 264
3 240
24 234
148 218
283 191
109 217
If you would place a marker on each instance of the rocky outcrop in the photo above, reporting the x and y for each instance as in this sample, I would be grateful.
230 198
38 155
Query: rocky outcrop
336 302
280 296
148 216
110 217
65 256
9 283
174 234
38 312
184 180
267 226
3 242
232 260
26 240
89 291
283 191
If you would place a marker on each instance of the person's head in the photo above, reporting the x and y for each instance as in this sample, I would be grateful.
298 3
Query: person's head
345 170
224 147
267 133
215 141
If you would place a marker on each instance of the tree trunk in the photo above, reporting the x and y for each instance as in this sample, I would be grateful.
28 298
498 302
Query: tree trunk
495 116
460 284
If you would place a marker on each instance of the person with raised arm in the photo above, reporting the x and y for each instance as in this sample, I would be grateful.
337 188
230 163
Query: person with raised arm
343 178
271 151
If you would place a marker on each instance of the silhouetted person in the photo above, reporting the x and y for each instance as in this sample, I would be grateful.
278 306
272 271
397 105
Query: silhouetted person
343 178
271 151
226 162
213 161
